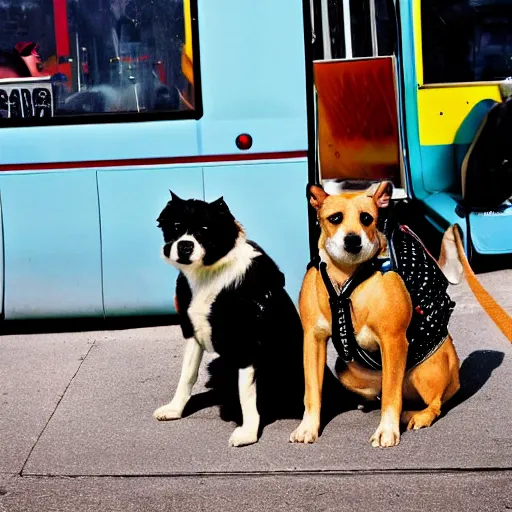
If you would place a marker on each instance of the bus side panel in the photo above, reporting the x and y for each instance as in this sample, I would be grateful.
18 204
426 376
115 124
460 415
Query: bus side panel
2 263
52 245
102 141
136 280
269 200
253 75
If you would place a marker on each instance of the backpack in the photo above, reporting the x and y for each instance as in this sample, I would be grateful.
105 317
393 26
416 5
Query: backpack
487 165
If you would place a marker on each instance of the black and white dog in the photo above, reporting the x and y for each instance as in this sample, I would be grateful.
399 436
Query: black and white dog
231 301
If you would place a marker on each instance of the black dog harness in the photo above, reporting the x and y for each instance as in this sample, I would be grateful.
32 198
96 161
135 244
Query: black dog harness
426 284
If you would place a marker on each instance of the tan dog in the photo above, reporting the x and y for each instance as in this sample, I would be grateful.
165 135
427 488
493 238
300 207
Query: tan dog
381 312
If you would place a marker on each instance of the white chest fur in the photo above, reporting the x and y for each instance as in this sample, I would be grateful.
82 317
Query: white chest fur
207 282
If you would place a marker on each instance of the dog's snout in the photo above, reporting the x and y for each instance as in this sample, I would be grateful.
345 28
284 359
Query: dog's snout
185 248
353 243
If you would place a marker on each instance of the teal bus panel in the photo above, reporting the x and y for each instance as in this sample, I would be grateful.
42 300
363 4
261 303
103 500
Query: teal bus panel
52 245
269 200
1 260
136 280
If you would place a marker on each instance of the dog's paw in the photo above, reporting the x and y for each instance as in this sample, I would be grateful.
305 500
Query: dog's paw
167 412
385 436
243 436
419 419
304 433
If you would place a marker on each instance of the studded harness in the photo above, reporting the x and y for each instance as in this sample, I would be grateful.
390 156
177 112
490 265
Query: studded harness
426 284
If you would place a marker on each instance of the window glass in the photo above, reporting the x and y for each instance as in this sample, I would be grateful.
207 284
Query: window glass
71 58
466 40
360 26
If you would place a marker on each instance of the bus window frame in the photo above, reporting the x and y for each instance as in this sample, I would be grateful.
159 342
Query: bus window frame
130 117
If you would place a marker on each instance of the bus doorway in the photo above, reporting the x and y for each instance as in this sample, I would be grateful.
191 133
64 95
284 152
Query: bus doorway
355 75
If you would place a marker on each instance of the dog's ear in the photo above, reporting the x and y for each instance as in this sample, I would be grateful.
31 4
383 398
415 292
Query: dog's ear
317 196
381 193
175 198
220 205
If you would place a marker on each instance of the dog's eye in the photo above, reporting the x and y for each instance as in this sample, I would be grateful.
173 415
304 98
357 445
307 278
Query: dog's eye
335 218
365 218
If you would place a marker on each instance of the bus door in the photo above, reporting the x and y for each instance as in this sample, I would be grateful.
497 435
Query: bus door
457 56
358 129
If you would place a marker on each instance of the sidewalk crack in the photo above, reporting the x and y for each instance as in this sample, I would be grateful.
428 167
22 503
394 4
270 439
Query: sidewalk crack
55 408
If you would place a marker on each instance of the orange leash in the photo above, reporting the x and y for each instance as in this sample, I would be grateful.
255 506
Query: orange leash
499 316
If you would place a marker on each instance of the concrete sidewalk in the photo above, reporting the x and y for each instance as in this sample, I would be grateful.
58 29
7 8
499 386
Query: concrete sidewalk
80 405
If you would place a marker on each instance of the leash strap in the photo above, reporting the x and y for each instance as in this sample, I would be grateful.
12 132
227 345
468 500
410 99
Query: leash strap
498 315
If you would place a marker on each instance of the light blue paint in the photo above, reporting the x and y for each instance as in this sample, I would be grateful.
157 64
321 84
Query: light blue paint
492 234
403 128
468 129
270 202
136 280
268 135
253 75
2 265
411 101
438 168
52 245
440 211
98 142
441 207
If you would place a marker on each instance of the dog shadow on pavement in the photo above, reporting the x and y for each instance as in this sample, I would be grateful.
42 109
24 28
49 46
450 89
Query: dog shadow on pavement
222 392
475 371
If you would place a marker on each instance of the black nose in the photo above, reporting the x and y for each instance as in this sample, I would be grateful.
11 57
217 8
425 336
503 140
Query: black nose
185 248
353 243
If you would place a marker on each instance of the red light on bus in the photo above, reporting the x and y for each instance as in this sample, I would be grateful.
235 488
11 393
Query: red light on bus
244 141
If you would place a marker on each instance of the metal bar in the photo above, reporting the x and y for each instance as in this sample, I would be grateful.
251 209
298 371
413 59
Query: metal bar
326 30
347 29
78 63
373 28
312 14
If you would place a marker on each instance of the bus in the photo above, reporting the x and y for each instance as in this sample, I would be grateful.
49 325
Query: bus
106 105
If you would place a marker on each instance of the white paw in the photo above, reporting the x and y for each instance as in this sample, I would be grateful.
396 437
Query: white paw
243 436
306 432
168 412
385 436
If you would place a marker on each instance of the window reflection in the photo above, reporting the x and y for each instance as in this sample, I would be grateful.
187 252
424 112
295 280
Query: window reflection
102 56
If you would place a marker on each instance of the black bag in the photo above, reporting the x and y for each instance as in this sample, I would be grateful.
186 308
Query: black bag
487 166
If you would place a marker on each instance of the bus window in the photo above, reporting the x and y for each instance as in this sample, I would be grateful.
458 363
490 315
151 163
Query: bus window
97 57
466 40
354 39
